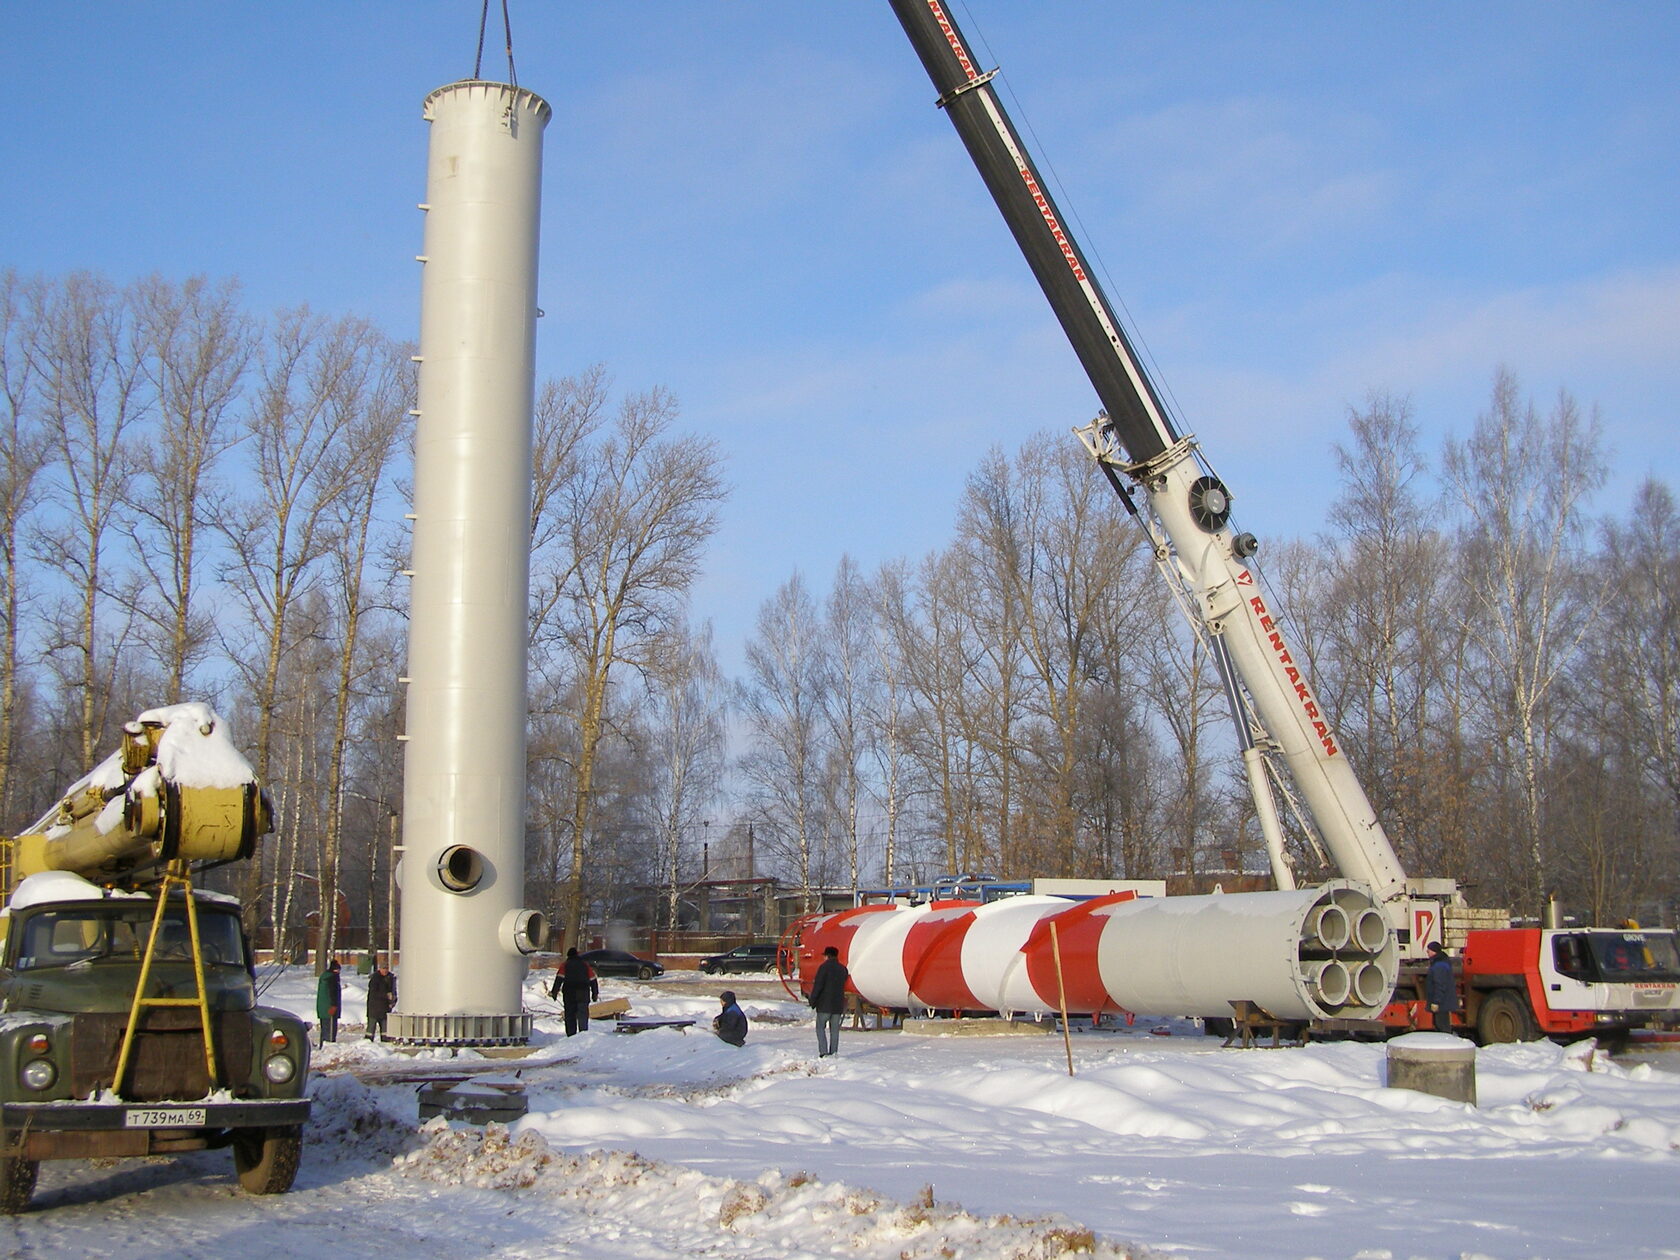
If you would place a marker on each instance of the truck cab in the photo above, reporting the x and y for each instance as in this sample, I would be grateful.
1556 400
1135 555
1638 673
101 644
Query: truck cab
70 971
1517 984
1601 970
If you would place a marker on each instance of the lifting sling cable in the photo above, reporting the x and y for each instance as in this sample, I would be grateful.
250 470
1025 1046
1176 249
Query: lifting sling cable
507 30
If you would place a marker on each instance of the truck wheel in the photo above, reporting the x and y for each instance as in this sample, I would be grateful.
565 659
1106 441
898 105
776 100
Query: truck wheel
267 1159
17 1183
1504 1018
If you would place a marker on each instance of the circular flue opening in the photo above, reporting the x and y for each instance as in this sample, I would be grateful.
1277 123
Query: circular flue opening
1370 930
528 931
1330 926
1369 985
460 868
1333 984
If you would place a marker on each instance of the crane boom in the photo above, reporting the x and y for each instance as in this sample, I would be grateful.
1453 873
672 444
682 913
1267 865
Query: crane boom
175 790
1136 414
1188 507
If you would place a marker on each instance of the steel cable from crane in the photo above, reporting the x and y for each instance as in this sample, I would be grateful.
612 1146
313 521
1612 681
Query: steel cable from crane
507 30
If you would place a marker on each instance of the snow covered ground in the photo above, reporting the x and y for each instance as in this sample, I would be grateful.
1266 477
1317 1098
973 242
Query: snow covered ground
672 1144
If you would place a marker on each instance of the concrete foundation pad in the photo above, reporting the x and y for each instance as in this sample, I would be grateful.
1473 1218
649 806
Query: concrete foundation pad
473 1102
1434 1063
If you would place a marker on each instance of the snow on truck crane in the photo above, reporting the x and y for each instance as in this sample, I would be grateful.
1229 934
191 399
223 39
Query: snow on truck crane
1321 955
130 1024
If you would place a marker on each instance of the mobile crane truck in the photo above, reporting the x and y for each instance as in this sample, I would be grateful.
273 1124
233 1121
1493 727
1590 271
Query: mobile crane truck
1523 983
129 1023
1517 983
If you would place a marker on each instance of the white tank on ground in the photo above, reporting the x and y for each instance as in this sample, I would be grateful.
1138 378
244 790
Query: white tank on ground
1301 954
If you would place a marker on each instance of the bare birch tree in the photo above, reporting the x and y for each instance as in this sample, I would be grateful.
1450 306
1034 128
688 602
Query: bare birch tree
887 717
783 699
1069 565
1627 713
1521 483
995 552
637 519
1381 620
94 396
374 397
1634 666
937 646
569 413
280 532
197 345
1184 696
686 749
848 694
22 453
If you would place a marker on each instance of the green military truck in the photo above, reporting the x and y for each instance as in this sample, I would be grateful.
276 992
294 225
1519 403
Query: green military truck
129 1022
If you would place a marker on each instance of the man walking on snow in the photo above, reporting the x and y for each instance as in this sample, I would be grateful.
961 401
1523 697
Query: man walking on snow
576 987
828 999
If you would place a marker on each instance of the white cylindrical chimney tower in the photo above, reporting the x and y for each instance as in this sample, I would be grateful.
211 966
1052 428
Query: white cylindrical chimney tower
464 935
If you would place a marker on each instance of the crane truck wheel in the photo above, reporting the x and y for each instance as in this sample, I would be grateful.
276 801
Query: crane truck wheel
1504 1018
267 1159
17 1183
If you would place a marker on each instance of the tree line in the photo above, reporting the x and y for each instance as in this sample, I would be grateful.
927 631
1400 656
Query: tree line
199 502
1502 665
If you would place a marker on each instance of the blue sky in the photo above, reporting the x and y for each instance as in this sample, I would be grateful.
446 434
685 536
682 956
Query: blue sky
757 207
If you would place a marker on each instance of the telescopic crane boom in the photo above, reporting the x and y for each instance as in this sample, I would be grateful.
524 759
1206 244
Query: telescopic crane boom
161 798
1186 507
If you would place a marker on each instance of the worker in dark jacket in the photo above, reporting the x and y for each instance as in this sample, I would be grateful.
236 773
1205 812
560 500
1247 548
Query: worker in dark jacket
731 1022
1440 987
576 987
828 1000
381 997
329 1002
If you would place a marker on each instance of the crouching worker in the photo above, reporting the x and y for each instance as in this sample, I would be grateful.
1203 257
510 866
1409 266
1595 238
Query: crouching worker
731 1022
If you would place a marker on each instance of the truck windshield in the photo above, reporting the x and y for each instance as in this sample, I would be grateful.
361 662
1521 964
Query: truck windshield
1633 956
58 938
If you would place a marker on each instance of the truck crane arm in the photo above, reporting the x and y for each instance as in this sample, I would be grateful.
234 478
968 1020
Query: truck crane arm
175 790
1187 506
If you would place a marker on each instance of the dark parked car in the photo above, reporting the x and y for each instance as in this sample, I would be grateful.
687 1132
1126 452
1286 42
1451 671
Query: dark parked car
741 958
616 962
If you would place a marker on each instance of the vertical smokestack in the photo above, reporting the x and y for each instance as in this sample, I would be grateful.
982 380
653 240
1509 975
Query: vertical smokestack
464 935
